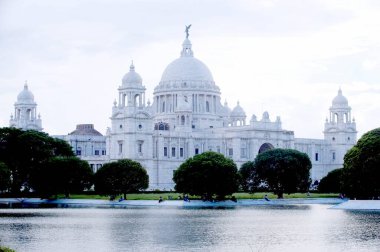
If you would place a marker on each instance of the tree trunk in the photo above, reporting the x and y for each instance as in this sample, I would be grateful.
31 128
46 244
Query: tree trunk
125 196
280 195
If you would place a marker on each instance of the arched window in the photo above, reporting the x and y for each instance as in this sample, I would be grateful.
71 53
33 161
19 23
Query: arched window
265 147
207 106
183 120
161 126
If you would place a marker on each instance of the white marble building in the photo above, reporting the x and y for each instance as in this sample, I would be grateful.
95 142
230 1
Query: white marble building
187 118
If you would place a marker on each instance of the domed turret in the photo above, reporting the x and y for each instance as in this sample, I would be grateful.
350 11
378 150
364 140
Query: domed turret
25 114
132 78
238 115
25 96
340 100
265 117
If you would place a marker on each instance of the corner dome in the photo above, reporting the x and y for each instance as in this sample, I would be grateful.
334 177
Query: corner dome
238 111
25 96
340 100
132 78
186 68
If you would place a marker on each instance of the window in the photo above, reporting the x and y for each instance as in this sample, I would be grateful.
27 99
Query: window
79 152
230 152
207 106
96 152
333 155
98 166
333 138
218 149
173 151
139 147
121 126
243 152
183 120
120 148
163 107
165 151
140 126
103 152
196 151
193 126
181 152
92 166
316 157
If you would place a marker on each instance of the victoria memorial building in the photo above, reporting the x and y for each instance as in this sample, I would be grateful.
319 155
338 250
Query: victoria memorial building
186 118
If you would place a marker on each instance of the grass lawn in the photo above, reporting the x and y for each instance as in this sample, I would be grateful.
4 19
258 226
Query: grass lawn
174 195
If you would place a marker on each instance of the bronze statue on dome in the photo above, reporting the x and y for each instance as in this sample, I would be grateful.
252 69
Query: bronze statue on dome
187 30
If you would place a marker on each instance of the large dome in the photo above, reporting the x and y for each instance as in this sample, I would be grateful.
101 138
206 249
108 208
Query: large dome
186 68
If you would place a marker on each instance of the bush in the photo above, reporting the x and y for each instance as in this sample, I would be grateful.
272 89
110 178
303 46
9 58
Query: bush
331 183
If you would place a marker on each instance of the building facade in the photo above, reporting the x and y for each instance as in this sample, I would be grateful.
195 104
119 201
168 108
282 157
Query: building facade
187 118
88 144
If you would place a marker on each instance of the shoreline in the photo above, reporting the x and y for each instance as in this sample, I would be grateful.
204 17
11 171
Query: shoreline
91 203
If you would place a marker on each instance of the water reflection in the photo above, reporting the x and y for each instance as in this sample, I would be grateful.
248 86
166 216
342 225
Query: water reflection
262 228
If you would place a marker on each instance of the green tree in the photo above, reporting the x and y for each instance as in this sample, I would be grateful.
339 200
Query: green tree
5 177
284 171
63 175
207 174
361 168
24 152
331 183
121 177
249 180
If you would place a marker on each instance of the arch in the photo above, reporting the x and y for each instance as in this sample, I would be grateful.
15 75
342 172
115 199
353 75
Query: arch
182 120
336 117
137 100
265 147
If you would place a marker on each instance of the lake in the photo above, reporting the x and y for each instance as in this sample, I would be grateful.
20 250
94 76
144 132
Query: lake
255 228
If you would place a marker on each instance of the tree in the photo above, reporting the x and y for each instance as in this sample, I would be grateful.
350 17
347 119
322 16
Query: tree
361 168
331 183
249 179
284 171
5 177
121 177
207 174
24 152
63 175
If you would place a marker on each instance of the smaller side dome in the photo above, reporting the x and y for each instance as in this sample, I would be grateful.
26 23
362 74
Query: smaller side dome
265 117
238 111
340 100
132 78
25 96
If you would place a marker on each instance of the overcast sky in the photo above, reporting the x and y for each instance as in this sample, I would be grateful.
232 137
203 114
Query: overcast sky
287 57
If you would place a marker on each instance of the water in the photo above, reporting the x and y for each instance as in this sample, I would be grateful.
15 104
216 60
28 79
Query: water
265 228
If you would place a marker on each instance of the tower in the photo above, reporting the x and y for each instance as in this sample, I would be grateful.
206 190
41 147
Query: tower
340 129
25 114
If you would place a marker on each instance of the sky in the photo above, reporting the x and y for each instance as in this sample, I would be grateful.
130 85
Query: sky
287 57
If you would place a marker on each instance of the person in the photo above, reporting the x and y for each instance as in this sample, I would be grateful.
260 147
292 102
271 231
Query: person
186 198
160 200
266 197
233 198
121 198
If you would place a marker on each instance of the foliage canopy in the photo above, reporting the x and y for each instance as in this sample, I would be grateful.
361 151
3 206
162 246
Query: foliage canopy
361 169
283 171
207 174
121 177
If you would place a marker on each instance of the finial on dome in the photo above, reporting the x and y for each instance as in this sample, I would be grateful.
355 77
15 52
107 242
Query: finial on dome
114 103
238 103
132 67
26 84
225 103
39 116
148 102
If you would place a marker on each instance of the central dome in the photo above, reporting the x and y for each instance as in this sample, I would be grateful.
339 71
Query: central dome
187 68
